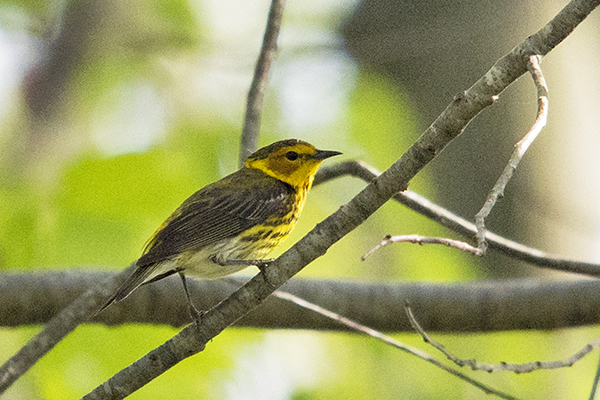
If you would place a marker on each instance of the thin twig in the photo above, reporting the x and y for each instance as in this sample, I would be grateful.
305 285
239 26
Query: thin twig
260 80
517 368
520 149
595 383
418 203
417 239
387 340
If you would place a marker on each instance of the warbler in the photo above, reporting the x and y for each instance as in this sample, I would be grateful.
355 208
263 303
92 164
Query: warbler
232 223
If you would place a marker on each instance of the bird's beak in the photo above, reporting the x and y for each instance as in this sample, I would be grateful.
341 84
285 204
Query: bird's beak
323 154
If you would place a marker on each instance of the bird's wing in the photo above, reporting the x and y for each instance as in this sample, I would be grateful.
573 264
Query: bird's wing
215 212
212 214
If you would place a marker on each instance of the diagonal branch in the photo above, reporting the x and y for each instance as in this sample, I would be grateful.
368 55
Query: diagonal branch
387 340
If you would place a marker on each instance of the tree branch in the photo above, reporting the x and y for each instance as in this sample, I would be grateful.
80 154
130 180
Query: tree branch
503 366
417 239
34 298
260 80
444 217
520 149
388 340
595 383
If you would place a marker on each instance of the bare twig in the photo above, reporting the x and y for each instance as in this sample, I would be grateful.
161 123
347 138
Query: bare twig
517 368
260 80
595 383
387 340
421 240
420 204
520 149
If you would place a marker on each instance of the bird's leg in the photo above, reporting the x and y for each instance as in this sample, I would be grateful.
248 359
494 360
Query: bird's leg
194 312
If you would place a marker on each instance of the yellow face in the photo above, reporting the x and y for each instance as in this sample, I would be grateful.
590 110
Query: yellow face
295 165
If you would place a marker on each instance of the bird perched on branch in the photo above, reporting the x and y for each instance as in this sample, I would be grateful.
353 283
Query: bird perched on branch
232 223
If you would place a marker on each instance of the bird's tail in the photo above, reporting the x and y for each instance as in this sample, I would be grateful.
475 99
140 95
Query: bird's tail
137 278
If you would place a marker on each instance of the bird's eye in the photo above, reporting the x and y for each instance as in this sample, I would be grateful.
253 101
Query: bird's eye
291 155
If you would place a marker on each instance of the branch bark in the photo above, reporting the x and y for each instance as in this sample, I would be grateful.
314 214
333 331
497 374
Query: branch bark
483 306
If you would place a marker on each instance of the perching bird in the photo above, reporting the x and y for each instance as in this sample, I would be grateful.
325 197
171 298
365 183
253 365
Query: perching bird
234 222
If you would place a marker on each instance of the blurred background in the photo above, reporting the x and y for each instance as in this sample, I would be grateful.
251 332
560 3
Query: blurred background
113 112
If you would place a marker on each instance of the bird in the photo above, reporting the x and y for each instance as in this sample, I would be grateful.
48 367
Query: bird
232 223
